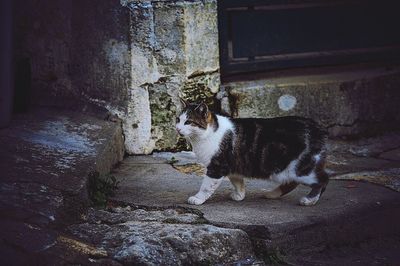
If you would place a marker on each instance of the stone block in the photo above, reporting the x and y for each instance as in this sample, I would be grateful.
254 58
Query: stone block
162 237
201 34
170 37
345 103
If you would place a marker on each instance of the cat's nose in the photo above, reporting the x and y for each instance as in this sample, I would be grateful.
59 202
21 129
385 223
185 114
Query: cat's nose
179 131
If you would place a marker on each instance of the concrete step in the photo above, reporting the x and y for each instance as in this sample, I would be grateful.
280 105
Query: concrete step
348 213
46 157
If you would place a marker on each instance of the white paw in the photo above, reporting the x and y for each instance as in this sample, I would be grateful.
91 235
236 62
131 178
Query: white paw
308 201
195 200
238 196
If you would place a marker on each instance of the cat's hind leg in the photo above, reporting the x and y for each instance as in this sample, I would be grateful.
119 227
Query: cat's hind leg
238 184
316 189
281 190
207 188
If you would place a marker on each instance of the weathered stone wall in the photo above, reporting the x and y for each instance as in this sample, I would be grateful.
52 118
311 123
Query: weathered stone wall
79 51
101 52
130 58
347 103
176 54
43 38
135 58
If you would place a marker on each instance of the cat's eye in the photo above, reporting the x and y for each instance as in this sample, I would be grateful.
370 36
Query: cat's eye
177 120
187 122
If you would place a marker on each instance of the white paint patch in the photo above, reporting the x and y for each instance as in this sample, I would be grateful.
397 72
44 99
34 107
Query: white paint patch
287 102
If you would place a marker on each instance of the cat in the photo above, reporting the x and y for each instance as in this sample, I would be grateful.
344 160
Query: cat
286 150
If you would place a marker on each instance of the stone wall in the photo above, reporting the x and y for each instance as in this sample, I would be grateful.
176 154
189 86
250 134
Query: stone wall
174 53
348 103
135 58
129 58
78 51
42 39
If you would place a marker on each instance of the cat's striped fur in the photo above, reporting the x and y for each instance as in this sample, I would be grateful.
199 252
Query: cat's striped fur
286 150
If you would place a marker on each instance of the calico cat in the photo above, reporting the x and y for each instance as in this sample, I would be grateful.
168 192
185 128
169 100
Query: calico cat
286 150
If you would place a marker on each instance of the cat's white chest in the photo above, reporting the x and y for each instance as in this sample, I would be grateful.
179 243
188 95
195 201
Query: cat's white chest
206 147
205 150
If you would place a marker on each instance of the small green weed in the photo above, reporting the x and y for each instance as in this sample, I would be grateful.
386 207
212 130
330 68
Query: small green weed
101 188
173 160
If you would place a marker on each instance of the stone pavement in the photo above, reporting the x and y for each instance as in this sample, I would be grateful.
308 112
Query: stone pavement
349 213
47 156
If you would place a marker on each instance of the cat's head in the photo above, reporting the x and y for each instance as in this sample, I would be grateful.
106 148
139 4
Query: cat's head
195 120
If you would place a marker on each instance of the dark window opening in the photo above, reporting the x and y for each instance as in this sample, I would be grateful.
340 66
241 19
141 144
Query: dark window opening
269 35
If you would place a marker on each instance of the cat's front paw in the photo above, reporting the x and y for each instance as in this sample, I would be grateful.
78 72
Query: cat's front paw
305 201
238 196
195 200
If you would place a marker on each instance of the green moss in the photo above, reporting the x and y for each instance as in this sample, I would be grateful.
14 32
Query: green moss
196 91
162 108
182 145
163 113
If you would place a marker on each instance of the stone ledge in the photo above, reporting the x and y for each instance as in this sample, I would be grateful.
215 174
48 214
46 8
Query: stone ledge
345 102
45 159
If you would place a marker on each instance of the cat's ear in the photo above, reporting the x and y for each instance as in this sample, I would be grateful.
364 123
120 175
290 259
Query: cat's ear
184 103
202 108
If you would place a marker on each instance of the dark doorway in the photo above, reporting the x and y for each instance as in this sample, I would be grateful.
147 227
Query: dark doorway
267 35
